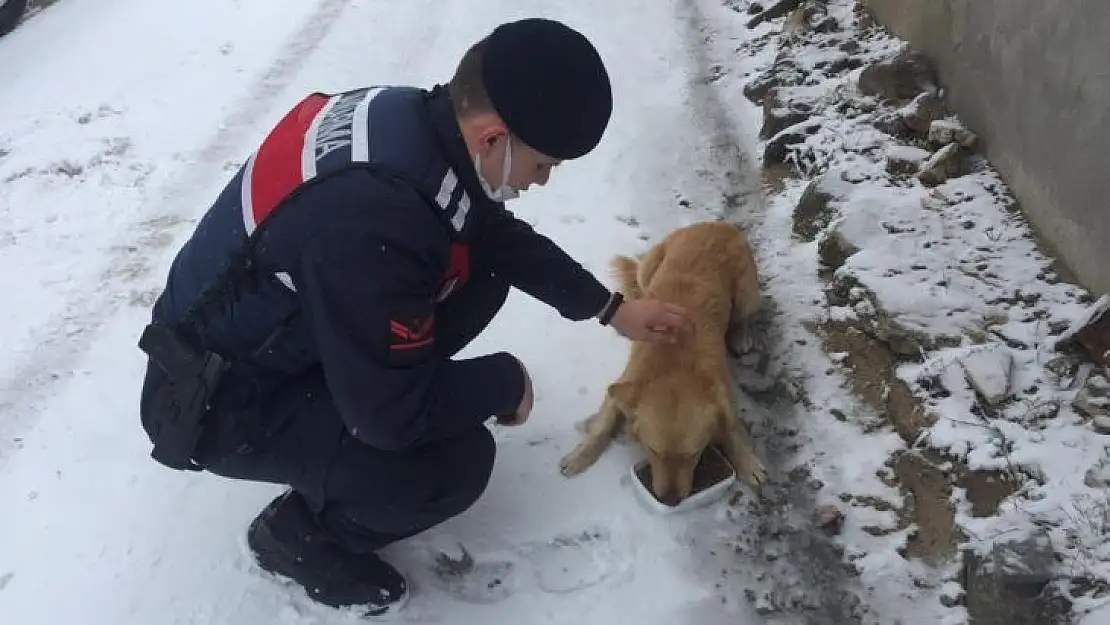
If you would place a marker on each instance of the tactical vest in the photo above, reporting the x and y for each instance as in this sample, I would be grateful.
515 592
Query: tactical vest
378 128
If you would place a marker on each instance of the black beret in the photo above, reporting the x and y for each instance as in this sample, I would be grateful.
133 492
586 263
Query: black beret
549 84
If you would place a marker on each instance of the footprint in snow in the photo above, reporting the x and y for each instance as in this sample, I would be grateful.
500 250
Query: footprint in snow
565 564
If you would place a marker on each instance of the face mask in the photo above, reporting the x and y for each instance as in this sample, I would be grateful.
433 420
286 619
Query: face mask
504 192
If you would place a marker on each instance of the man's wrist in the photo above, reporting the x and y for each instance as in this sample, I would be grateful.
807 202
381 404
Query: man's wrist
605 316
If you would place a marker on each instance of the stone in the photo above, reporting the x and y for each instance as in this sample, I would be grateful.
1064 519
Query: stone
989 370
828 24
796 25
905 160
775 11
777 149
780 113
946 163
1093 400
1091 331
901 77
1101 425
1010 603
1028 561
834 249
1098 476
944 131
1063 369
919 114
756 90
814 211
829 519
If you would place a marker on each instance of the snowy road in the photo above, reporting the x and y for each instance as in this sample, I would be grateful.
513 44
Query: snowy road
121 121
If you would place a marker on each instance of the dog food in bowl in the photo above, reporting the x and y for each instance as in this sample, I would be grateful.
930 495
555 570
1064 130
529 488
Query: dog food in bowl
713 475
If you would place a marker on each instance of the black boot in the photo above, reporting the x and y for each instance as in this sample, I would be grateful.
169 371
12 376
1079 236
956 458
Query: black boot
287 541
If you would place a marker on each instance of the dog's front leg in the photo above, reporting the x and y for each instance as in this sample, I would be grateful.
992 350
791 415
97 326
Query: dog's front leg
740 450
600 429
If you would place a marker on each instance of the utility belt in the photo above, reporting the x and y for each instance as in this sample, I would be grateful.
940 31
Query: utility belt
192 376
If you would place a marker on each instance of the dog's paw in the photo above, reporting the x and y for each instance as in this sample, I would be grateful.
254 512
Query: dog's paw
574 463
754 472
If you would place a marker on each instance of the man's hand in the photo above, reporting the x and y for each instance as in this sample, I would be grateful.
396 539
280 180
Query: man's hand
525 407
649 320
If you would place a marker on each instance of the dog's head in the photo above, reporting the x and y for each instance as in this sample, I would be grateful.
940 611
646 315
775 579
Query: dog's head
674 421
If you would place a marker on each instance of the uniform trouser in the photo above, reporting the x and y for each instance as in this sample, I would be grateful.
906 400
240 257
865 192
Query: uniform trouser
365 498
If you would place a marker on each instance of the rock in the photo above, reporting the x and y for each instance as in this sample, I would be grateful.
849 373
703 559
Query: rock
1093 400
1009 603
1098 476
838 65
944 131
834 248
989 370
829 518
780 114
1101 425
905 160
919 114
778 148
776 10
1028 561
828 24
756 90
946 163
796 25
754 8
851 46
899 78
813 212
892 124
1091 331
1063 369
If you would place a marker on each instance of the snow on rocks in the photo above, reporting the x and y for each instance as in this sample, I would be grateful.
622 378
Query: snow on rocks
989 371
919 244
945 131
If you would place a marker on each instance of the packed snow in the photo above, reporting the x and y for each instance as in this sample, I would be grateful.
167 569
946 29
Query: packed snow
122 122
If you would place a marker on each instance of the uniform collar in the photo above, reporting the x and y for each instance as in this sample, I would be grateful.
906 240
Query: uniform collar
451 142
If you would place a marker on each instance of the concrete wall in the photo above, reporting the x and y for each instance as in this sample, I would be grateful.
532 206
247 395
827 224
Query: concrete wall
1032 78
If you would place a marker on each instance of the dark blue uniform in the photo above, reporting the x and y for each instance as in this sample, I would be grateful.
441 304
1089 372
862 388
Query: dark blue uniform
381 258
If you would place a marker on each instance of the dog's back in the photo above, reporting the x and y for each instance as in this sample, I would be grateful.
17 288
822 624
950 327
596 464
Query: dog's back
708 269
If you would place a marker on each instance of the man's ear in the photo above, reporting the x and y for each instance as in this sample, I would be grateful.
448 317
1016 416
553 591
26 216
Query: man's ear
625 394
493 132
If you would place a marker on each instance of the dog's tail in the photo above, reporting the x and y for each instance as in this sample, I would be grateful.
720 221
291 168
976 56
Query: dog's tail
624 270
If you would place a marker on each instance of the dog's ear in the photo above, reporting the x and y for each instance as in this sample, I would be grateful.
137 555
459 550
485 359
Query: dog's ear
625 394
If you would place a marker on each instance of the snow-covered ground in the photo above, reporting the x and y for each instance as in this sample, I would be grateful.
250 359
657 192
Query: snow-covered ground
121 121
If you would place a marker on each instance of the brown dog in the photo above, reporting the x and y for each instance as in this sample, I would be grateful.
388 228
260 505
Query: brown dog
676 399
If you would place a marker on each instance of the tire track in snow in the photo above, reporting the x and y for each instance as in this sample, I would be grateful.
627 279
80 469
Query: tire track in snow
791 567
62 340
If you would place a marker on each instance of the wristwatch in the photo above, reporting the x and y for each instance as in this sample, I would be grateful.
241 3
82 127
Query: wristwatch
606 314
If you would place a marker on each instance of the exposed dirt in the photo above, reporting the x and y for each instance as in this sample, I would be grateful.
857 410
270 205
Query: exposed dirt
936 537
871 367
986 490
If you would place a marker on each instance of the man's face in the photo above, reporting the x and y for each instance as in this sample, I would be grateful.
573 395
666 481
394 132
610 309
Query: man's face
528 166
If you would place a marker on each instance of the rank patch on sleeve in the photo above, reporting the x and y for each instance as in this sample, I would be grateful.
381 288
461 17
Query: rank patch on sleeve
411 334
